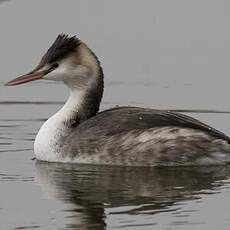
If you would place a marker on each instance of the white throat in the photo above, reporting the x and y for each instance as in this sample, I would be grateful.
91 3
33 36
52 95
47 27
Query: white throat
71 107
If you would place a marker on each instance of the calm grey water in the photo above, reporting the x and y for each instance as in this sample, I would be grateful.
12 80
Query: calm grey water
160 54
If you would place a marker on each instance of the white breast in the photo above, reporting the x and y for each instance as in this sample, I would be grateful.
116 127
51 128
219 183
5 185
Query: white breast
49 135
44 145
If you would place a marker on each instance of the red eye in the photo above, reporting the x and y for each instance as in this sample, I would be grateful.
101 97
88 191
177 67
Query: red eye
55 65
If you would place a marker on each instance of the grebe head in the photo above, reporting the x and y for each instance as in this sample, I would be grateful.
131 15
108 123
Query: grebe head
68 60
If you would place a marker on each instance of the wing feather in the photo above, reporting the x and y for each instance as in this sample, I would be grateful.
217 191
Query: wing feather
121 119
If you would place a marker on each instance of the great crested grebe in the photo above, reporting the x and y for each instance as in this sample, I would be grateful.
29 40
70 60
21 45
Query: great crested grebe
118 136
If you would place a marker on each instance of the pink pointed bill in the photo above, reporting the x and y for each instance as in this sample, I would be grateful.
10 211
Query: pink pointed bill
28 77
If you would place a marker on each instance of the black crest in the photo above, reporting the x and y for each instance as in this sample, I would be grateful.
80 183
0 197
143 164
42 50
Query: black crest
62 46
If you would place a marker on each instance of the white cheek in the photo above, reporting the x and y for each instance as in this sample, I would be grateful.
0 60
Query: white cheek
68 71
61 73
56 75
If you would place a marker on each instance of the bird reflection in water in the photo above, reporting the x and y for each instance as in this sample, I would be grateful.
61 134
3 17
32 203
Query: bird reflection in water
92 192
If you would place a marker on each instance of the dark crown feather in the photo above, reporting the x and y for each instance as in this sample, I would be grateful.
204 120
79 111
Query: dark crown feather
62 46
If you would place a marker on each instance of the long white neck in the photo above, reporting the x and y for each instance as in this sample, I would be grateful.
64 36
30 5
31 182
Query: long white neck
80 106
83 103
72 113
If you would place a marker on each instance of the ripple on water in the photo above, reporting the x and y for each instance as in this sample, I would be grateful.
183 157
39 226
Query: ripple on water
129 197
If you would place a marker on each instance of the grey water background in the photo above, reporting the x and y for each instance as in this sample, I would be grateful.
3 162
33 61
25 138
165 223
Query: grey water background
160 54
